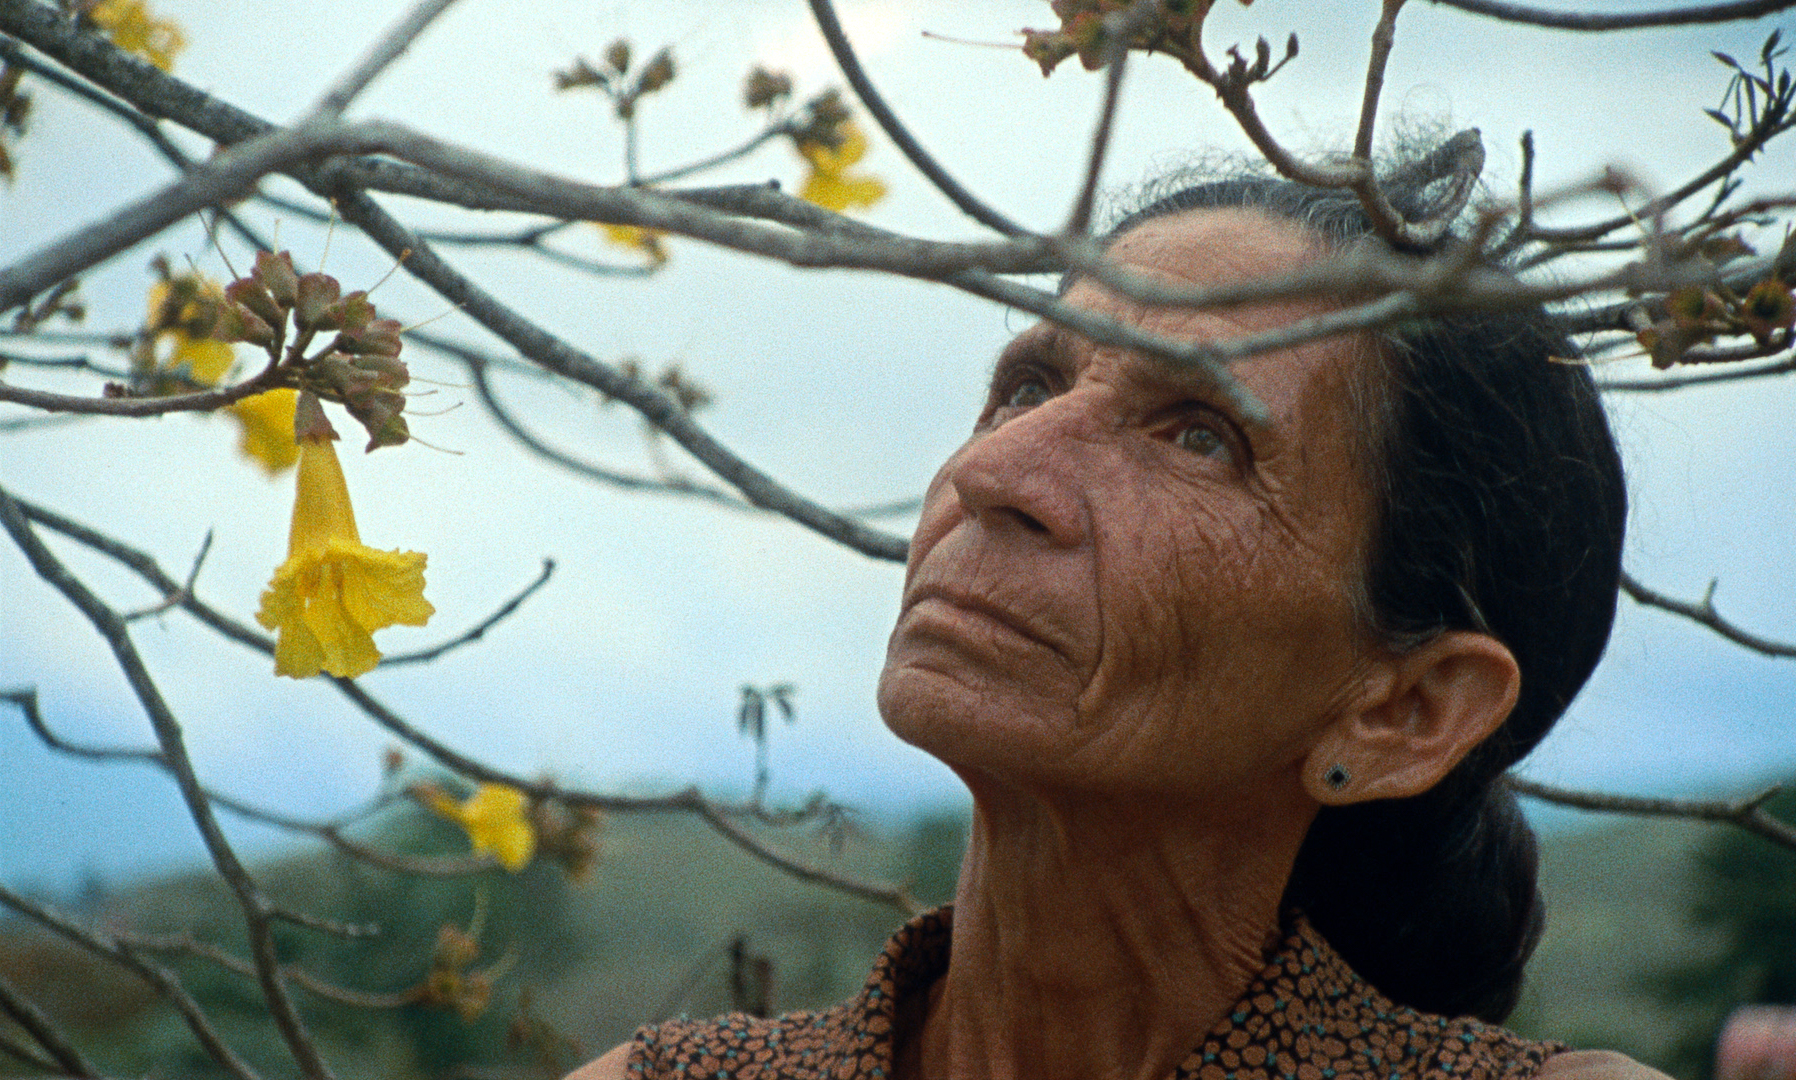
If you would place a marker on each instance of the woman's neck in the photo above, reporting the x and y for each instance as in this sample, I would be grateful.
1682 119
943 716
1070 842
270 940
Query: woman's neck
1098 938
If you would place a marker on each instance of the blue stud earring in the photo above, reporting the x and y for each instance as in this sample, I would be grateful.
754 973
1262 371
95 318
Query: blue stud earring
1337 776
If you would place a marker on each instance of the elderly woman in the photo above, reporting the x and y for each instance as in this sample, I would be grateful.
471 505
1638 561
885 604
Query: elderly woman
1232 701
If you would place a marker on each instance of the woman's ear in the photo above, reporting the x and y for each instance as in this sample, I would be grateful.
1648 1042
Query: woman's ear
1421 712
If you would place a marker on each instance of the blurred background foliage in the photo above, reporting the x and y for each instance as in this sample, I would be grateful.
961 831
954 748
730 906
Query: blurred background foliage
1656 930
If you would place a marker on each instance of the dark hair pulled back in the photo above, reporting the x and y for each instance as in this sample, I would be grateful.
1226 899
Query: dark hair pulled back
1499 508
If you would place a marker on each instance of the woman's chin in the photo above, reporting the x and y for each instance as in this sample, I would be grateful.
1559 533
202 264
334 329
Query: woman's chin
967 720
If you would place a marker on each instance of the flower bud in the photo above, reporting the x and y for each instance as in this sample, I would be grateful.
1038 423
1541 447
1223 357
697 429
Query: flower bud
617 56
239 323
275 272
315 296
764 88
381 413
387 372
379 338
358 311
253 295
1768 306
658 73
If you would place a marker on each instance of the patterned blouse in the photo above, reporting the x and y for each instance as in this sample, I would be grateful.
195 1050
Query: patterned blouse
1307 1016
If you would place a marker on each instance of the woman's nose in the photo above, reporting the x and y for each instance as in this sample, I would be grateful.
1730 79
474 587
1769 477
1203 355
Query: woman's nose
1031 473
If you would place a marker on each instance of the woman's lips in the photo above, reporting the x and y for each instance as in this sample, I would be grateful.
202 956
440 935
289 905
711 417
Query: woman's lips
955 606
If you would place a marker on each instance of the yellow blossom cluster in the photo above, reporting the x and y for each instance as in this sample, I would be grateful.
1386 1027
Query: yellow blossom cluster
179 350
832 183
496 818
132 27
647 242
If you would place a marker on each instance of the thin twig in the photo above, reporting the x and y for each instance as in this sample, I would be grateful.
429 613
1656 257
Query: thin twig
1705 614
169 737
205 950
880 894
200 401
163 981
43 1030
1119 28
1769 127
1631 20
174 599
1384 35
689 800
1748 814
25 701
825 15
478 630
378 58
477 371
1675 382
722 157
659 409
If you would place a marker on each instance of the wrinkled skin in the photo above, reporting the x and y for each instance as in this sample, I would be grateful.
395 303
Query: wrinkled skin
1115 586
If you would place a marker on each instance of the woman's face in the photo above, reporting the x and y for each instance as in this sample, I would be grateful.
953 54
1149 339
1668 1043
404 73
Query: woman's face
1115 586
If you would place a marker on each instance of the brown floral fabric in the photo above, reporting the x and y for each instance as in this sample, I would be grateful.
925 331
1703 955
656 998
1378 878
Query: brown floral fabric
1306 1017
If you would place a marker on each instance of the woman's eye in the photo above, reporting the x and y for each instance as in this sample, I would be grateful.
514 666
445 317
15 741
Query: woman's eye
1201 439
1027 394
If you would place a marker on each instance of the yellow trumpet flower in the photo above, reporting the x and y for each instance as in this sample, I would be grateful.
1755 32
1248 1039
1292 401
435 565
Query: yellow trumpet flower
333 591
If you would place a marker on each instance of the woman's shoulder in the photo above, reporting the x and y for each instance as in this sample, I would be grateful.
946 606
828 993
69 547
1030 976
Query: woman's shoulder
1593 1065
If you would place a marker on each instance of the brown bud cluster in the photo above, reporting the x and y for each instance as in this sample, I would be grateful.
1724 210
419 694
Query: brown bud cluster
614 80
567 835
284 312
1082 33
822 120
15 110
1696 315
450 985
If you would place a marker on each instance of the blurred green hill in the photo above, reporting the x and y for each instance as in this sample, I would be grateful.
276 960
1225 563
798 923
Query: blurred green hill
674 919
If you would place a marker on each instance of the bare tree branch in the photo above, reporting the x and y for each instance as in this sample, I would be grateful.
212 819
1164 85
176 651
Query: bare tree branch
25 701
160 979
378 58
1771 125
1567 20
1705 614
174 753
1675 382
1748 814
563 359
477 366
687 801
898 897
1119 28
1384 35
43 1031
199 401
825 14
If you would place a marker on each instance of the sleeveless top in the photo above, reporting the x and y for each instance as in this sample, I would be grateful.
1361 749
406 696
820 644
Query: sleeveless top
1307 1016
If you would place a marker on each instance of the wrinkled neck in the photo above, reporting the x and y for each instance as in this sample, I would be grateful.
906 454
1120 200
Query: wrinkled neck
1101 937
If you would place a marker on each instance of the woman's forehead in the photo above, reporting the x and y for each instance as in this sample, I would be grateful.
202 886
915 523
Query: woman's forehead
1207 247
1214 245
